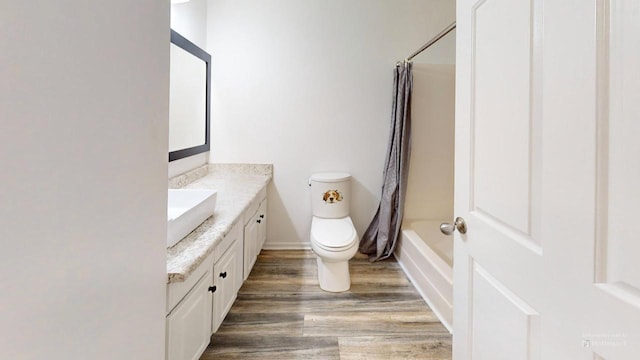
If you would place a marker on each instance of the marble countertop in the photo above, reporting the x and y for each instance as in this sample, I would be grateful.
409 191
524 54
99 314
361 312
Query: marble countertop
237 185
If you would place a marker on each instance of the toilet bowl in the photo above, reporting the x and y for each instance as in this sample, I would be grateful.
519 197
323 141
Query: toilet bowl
333 237
335 242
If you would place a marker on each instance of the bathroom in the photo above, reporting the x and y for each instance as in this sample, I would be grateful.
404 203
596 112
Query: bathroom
302 85
261 86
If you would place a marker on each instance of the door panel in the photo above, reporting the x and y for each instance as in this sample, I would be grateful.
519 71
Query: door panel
501 153
546 177
618 129
500 317
250 245
225 282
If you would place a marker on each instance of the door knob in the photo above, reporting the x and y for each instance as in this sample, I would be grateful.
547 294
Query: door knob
459 224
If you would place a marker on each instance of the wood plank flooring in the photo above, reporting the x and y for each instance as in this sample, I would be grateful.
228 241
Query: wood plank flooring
281 313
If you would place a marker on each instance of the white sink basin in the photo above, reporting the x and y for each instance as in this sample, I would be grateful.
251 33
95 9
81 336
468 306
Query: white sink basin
186 210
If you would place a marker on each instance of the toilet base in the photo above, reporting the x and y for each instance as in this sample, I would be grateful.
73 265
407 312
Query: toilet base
334 276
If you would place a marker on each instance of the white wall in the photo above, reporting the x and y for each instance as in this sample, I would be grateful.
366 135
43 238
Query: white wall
430 187
306 85
83 148
190 20
441 52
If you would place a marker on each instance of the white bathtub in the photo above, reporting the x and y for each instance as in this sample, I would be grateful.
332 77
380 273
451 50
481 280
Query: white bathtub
426 256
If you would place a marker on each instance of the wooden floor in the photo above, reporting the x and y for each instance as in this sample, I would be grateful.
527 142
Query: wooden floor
281 313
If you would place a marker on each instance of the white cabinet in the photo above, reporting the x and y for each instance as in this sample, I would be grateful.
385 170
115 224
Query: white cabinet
189 324
199 304
255 233
227 278
250 245
261 220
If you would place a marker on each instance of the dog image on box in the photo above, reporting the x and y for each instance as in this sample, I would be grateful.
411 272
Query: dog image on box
331 196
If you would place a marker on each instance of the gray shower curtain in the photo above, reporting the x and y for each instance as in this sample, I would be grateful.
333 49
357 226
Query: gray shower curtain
379 240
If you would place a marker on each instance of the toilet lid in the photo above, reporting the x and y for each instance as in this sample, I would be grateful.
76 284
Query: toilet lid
333 233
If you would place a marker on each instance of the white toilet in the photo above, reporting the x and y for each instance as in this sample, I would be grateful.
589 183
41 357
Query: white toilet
333 236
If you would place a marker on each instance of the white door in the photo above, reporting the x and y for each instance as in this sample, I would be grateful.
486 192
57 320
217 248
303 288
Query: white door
547 180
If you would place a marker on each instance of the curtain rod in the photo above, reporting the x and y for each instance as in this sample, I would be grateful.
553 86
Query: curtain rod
433 41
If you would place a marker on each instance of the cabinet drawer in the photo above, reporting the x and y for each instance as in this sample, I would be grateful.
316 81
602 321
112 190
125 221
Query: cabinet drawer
223 245
255 203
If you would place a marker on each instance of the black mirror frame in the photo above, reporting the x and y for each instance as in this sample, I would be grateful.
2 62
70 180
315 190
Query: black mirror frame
196 51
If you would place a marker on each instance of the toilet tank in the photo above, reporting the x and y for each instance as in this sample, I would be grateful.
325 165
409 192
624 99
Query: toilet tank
330 194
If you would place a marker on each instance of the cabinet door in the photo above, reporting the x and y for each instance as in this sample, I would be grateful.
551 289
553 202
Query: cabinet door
238 273
189 324
224 281
262 225
250 245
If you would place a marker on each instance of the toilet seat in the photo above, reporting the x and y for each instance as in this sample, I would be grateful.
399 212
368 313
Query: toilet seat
333 234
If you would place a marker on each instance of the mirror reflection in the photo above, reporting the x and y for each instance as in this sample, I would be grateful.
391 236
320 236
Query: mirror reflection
186 100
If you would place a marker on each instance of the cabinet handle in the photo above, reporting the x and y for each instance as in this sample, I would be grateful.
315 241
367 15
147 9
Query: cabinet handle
262 216
223 274
258 221
213 288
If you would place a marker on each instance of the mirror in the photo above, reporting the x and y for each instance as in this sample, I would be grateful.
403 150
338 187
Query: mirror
189 98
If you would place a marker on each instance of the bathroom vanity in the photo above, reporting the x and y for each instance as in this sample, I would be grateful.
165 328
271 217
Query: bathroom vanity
207 268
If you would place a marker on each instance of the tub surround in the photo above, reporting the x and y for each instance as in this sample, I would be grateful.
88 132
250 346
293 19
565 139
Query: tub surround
426 256
238 185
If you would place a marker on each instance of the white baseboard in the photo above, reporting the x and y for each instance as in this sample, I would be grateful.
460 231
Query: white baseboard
282 245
